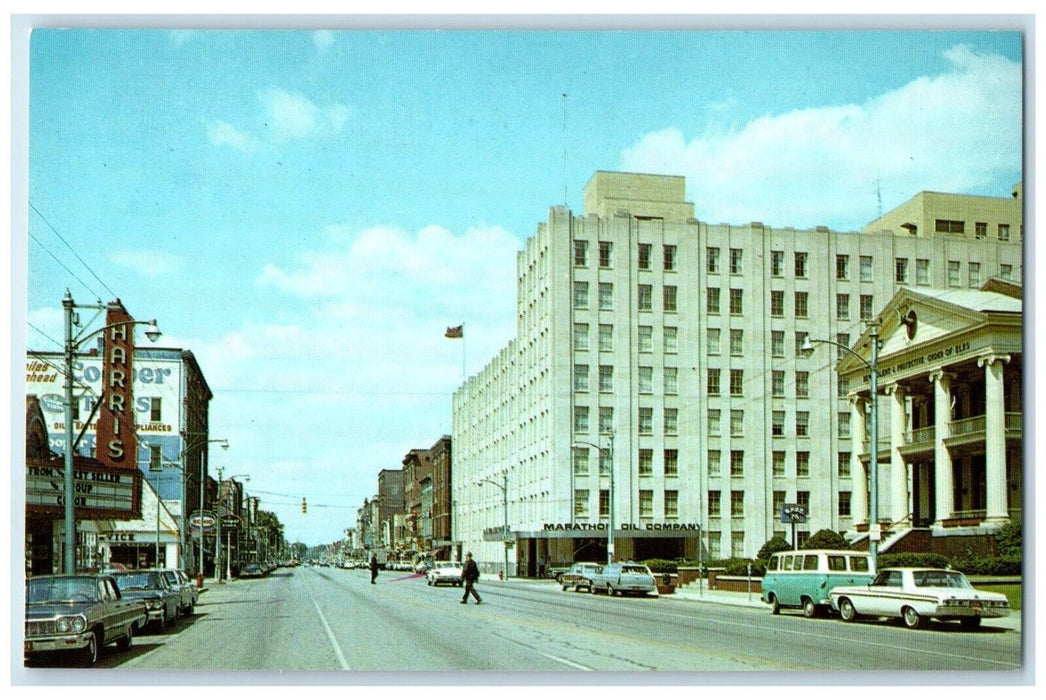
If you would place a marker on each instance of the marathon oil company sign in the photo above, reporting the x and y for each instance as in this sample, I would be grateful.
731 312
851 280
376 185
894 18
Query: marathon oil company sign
639 530
97 492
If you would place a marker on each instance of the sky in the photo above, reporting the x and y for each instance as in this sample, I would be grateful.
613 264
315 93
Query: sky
307 211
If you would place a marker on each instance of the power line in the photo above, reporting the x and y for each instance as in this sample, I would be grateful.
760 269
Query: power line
64 266
75 254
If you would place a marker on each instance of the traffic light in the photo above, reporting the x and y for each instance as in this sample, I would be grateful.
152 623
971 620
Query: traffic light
304 506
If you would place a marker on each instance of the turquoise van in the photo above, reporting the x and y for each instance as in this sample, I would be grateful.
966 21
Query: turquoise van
803 578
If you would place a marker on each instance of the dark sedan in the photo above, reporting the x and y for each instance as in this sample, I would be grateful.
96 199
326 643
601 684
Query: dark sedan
162 600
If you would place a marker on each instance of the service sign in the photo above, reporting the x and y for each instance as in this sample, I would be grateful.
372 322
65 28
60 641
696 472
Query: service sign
98 492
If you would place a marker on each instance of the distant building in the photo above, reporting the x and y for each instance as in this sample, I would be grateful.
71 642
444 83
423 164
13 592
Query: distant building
659 356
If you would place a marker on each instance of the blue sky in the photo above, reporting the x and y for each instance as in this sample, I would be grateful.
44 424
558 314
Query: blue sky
308 210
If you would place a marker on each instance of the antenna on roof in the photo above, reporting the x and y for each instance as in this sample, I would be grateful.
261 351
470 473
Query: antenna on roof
564 149
879 195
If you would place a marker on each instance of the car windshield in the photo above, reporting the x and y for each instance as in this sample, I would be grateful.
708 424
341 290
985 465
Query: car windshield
634 570
940 579
61 590
137 581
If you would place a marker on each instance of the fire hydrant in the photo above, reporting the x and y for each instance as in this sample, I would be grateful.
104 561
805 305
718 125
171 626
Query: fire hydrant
501 575
199 579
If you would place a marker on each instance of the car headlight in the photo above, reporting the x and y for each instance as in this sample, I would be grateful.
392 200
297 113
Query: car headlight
154 604
71 624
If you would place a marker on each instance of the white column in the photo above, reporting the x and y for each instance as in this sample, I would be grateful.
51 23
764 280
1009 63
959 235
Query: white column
994 438
943 479
858 473
898 469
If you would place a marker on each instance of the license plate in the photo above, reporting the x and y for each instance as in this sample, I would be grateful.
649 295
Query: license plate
976 605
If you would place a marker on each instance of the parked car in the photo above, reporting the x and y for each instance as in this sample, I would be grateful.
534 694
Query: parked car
163 601
803 579
556 572
78 615
188 594
445 572
620 578
252 570
423 566
917 594
579 576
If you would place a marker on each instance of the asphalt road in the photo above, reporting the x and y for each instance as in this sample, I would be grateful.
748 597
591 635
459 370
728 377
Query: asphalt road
328 620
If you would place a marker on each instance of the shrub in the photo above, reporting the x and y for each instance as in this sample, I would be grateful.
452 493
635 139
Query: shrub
826 539
1009 540
662 566
739 567
777 543
974 565
913 559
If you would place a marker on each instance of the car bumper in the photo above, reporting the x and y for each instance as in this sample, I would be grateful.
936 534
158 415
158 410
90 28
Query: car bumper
65 642
958 612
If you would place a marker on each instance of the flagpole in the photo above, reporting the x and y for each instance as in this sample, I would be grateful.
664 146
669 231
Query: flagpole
463 351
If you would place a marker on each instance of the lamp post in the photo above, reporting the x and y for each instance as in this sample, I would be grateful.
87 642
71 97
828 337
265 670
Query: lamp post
873 461
72 343
218 539
203 488
610 511
504 506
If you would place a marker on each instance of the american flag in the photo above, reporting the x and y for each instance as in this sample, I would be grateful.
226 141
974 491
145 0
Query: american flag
455 331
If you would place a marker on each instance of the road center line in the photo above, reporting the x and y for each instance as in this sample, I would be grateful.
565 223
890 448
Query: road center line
330 633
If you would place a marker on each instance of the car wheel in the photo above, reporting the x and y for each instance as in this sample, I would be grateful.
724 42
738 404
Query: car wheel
89 654
911 618
566 587
125 641
809 608
846 610
775 605
592 590
610 591
161 624
970 623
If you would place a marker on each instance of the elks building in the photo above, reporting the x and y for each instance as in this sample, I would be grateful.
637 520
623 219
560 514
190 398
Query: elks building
661 383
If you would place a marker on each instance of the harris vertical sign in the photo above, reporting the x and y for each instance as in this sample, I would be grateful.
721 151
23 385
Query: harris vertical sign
116 438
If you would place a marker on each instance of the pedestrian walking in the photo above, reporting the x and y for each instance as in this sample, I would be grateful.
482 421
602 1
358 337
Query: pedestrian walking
373 568
470 574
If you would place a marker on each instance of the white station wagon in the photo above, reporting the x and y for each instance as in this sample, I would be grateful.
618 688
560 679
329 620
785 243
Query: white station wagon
917 594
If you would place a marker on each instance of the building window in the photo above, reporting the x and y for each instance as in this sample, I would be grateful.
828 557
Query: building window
777 383
737 504
737 422
581 503
712 387
778 463
580 295
737 342
800 265
1006 271
843 421
802 464
670 257
802 304
844 504
777 303
800 342
980 229
580 377
580 461
604 503
671 380
669 298
646 339
646 420
580 336
671 340
842 267
671 462
715 505
644 256
646 462
777 263
606 337
843 341
645 298
953 273
777 343
737 382
802 423
154 409
606 419
737 298
777 503
735 261
646 380
973 272
713 300
712 334
922 271
737 544
671 421
714 545
580 253
605 249
646 503
866 268
713 260
777 423
842 307
803 499
606 379
866 307
714 458
714 422
900 266
580 419
606 296
949 226
737 463
671 504
155 463
843 465
604 462
802 384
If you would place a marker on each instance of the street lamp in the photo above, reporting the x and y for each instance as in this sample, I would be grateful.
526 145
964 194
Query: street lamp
218 539
203 488
610 512
504 505
873 461
72 343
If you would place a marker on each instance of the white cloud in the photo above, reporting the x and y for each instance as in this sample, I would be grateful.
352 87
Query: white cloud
323 40
148 263
222 133
955 132
291 115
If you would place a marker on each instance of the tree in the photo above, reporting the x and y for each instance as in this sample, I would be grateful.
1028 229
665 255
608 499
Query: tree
826 539
1009 539
777 543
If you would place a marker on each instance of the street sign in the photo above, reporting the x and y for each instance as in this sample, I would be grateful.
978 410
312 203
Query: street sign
206 520
230 521
793 513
